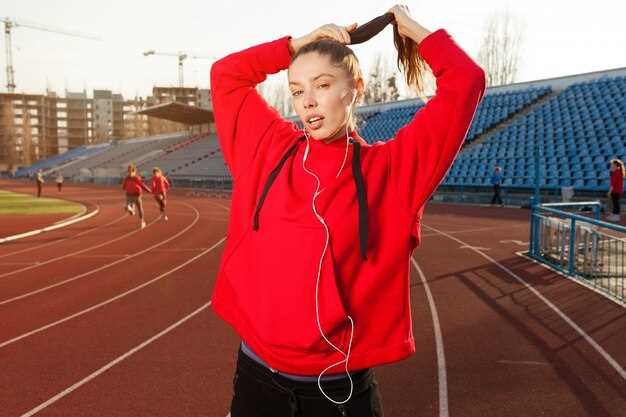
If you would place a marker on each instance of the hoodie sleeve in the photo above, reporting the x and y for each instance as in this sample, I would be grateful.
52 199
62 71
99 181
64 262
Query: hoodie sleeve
423 150
143 185
242 117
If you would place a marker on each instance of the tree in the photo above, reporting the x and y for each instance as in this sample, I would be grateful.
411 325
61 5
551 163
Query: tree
29 154
277 95
8 136
280 98
381 85
391 88
499 52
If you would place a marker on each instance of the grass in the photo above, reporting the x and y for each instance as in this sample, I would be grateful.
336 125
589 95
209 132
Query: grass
15 203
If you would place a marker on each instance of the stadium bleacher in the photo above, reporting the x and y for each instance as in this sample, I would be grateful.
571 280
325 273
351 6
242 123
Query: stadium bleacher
494 109
197 158
575 129
114 158
57 161
576 133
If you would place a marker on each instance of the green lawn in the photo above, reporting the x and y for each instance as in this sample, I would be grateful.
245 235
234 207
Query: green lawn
15 203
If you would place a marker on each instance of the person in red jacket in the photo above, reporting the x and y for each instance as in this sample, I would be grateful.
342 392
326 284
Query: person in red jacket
133 185
617 188
160 187
315 273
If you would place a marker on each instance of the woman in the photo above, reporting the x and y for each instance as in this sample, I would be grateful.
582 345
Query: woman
616 189
59 181
160 187
133 185
496 181
314 309
39 179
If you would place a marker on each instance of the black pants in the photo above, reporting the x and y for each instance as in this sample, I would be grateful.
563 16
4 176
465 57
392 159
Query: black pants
59 185
258 392
615 197
496 195
39 187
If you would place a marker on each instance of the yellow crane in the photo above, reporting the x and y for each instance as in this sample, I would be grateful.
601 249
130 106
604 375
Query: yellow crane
10 24
181 58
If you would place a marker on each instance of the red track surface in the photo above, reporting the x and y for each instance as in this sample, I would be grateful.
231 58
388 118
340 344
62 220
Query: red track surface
84 333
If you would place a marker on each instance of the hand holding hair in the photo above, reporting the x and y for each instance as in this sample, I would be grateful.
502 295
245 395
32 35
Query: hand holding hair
406 26
332 31
407 35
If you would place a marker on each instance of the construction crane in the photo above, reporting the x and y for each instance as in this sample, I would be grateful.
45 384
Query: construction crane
9 24
181 58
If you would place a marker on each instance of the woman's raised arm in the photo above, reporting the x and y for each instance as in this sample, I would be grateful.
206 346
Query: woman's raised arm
423 150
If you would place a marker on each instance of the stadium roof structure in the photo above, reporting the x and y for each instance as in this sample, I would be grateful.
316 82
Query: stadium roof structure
179 112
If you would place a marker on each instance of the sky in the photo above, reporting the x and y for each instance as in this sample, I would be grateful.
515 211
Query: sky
560 37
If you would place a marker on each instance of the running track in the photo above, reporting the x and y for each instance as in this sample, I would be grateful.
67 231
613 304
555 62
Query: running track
101 319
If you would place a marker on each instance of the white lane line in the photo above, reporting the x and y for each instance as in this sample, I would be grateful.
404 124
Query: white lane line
63 239
80 213
55 226
524 254
517 242
222 206
441 357
110 300
473 247
137 229
618 368
114 362
534 363
482 229
180 250
105 266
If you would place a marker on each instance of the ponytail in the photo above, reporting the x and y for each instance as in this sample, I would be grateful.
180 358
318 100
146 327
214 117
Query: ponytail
620 165
409 60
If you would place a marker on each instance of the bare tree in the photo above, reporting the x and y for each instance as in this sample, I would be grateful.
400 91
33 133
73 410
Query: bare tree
280 98
499 52
8 137
374 85
277 95
28 148
391 88
382 82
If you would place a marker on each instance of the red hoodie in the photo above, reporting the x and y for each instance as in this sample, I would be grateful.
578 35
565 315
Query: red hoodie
617 181
266 286
160 185
134 185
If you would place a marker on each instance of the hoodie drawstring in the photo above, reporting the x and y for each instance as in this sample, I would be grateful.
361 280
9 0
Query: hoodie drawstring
362 198
270 181
360 190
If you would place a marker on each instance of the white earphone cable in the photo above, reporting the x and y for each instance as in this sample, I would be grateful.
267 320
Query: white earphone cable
317 192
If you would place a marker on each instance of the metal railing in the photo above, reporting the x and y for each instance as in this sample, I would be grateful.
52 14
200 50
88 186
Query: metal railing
581 246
